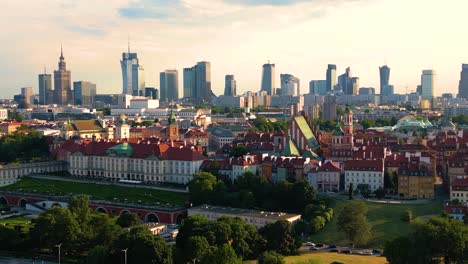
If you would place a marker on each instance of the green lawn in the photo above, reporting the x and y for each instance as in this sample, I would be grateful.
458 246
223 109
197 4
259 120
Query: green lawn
17 221
99 192
327 258
384 219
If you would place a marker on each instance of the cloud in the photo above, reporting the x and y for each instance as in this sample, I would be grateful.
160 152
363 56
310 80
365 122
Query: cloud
85 30
265 2
151 9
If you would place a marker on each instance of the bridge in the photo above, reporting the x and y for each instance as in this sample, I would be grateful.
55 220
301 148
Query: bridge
147 213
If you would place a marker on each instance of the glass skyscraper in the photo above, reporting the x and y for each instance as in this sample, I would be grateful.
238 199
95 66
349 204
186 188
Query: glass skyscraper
384 72
463 84
45 86
169 85
268 78
428 79
133 76
229 85
331 77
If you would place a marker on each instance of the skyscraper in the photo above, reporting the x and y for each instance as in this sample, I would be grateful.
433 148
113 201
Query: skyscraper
62 83
189 82
203 81
229 85
318 87
27 96
151 93
290 85
329 107
133 76
428 79
463 84
268 78
169 85
347 83
84 93
331 77
45 86
384 77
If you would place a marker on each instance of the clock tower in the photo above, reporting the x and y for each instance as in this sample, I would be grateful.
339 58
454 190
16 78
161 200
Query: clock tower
172 129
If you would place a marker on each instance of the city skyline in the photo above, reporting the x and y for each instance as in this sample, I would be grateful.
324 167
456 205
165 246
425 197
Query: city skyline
93 46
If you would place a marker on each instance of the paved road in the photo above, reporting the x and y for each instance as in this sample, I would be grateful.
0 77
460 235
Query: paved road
8 260
69 179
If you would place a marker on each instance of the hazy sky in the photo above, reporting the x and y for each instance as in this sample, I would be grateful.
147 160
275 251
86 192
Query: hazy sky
237 37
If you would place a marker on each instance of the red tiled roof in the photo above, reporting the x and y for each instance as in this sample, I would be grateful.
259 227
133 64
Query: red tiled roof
364 165
330 166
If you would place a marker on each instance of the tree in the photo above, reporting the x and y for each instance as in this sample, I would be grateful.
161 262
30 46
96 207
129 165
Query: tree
99 255
353 222
350 191
224 254
56 226
9 238
317 223
407 216
128 220
102 230
202 187
197 249
143 247
397 251
238 151
271 257
79 207
380 193
279 237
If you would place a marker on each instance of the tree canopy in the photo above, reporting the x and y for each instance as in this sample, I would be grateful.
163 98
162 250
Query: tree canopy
352 220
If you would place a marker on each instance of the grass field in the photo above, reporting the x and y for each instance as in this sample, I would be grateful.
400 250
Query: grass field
99 192
384 219
15 221
327 258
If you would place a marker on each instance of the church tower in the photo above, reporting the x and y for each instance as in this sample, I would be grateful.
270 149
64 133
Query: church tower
172 129
123 129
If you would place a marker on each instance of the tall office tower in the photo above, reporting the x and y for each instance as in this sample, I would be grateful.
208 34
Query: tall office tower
290 85
313 111
331 77
62 83
203 81
84 93
169 85
229 85
463 84
384 77
268 78
45 85
189 82
387 90
133 75
318 87
329 107
428 79
151 93
347 83
27 96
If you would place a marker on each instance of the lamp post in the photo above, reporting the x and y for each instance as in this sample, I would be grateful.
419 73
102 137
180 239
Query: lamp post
59 246
125 252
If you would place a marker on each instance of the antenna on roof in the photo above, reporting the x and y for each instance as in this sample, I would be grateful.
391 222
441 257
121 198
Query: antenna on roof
128 40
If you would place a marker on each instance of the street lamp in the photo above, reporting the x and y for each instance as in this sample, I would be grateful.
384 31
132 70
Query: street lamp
125 251
59 246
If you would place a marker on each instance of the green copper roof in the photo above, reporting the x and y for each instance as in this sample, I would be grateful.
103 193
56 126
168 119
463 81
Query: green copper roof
308 134
337 131
290 149
123 149
347 109
312 155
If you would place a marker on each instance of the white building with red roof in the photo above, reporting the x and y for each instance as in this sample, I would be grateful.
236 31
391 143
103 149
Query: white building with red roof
368 173
459 191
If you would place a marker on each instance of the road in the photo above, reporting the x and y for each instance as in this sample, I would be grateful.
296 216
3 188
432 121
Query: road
9 260
144 186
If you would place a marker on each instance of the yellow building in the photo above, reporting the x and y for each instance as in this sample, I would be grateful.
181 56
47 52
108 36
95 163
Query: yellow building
416 180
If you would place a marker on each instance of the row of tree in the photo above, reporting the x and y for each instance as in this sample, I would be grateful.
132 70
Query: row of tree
261 124
437 240
23 146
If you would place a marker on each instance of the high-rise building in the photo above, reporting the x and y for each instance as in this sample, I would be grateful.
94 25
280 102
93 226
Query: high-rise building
384 72
318 87
27 96
331 77
203 81
313 111
84 93
230 85
387 90
268 78
366 91
290 85
45 86
428 79
169 85
463 84
133 76
197 82
62 83
329 107
189 82
151 93
347 83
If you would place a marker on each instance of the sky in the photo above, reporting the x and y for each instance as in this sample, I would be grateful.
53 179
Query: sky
237 36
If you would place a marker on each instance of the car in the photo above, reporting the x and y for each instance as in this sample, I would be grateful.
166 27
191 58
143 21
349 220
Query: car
319 245
346 251
331 246
376 252
309 244
313 248
366 253
355 252
335 250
